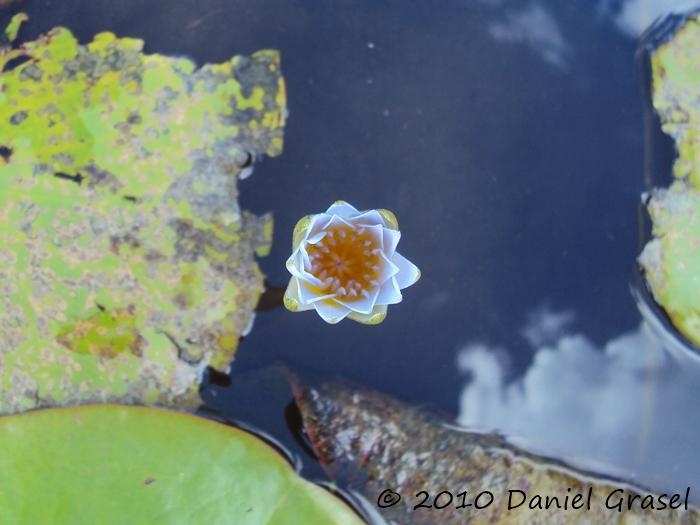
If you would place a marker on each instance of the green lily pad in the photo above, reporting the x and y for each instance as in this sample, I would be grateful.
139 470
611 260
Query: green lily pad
675 85
112 464
671 260
126 264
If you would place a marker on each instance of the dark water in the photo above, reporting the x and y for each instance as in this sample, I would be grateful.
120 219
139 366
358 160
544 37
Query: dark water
507 137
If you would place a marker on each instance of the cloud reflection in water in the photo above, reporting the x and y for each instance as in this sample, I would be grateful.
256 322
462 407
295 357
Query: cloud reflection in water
628 408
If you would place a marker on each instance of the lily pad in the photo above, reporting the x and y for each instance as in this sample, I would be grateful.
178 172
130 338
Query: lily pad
675 85
671 259
112 464
126 264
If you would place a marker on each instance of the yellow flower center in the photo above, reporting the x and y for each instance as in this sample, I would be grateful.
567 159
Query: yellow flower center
347 260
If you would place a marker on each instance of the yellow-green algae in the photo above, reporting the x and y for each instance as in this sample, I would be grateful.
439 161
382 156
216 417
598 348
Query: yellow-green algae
126 264
671 260
675 95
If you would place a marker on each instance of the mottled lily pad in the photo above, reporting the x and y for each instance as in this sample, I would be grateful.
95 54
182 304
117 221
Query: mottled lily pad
671 260
126 263
675 86
112 464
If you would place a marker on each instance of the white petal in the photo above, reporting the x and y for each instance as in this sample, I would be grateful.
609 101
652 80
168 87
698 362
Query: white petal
369 218
337 220
375 231
342 209
316 237
389 292
296 266
308 295
292 293
390 239
408 272
318 223
389 269
295 263
331 311
363 305
376 316
305 259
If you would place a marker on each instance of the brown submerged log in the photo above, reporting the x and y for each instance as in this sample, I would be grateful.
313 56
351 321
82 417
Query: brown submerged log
443 475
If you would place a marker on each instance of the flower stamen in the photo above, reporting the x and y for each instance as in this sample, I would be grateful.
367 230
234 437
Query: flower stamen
347 261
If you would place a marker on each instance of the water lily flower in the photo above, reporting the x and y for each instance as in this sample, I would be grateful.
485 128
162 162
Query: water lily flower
344 263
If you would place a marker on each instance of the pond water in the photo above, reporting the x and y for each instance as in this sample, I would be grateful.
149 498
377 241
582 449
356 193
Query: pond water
508 137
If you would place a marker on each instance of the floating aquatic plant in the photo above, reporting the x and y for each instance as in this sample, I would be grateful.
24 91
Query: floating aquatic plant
115 465
671 260
126 265
345 264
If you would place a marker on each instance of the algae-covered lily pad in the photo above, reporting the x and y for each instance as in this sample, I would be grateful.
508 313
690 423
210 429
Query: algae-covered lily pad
126 264
675 66
112 464
671 261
